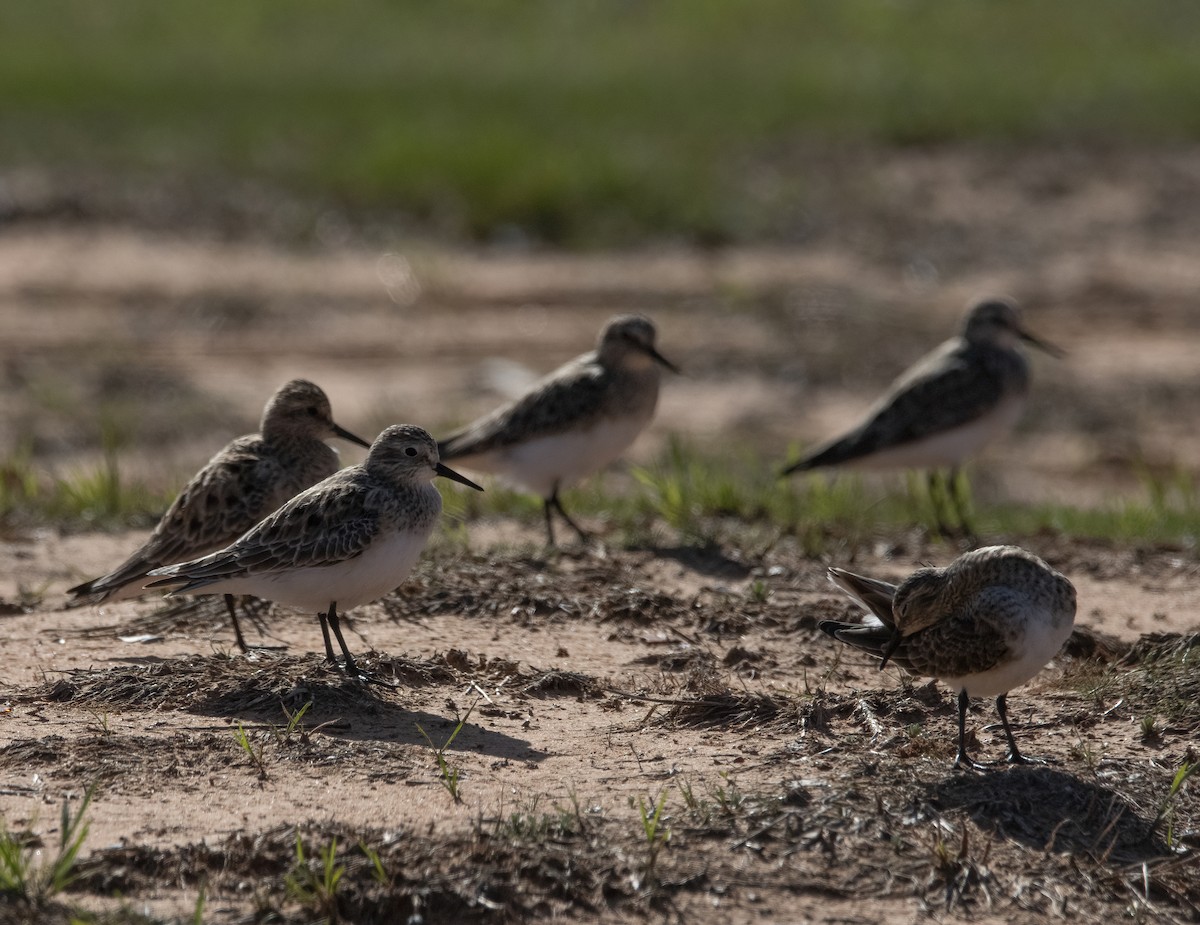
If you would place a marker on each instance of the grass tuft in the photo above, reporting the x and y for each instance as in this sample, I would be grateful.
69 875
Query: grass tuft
449 777
1189 767
314 884
657 834
90 497
699 498
37 884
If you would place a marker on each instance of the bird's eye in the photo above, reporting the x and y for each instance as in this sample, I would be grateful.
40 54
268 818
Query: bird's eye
410 451
313 412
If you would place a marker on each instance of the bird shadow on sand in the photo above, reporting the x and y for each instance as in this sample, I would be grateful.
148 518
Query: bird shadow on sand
709 560
273 688
374 710
1051 810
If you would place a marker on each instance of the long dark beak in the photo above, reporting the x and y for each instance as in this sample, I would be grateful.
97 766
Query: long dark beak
451 474
662 360
1057 352
346 435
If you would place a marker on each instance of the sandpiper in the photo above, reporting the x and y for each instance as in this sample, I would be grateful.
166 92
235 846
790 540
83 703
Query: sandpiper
945 408
344 542
573 422
234 490
984 624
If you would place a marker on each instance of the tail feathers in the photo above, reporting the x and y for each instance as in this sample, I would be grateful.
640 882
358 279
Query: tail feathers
829 454
86 593
799 466
87 588
872 593
873 639
124 582
176 582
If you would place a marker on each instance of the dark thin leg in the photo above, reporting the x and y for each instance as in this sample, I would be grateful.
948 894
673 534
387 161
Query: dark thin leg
963 760
937 491
1014 754
958 497
329 656
237 629
583 537
549 524
351 668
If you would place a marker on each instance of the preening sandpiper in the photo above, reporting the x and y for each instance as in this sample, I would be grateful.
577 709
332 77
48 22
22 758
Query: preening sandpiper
571 423
986 623
346 541
237 488
945 408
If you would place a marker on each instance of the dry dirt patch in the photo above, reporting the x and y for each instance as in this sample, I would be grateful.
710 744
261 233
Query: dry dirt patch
795 781
800 784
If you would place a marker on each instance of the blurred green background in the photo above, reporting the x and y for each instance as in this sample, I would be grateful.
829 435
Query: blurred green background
579 123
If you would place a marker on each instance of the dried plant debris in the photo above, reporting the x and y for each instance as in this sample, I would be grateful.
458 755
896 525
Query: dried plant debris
1024 844
1092 645
182 615
1157 677
212 686
217 686
124 763
557 683
1051 810
727 709
525 589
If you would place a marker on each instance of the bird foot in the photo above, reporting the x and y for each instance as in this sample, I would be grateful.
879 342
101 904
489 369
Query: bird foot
368 678
358 675
349 668
1014 757
964 763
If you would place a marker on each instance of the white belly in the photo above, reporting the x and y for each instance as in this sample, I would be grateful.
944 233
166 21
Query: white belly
348 584
540 464
1042 641
948 448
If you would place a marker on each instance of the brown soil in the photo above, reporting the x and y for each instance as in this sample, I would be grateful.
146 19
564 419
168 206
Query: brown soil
800 783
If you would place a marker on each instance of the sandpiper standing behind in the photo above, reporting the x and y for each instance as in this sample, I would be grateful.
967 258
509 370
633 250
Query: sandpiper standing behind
946 407
571 423
984 624
236 489
346 541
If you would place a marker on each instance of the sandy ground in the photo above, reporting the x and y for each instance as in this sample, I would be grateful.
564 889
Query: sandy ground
572 673
801 784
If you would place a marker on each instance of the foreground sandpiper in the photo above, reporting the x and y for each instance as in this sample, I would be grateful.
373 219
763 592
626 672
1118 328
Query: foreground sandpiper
984 624
571 423
945 408
346 541
236 489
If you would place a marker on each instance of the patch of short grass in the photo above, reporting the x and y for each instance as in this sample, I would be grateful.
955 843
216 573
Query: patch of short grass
577 122
313 883
1158 678
97 496
1126 520
532 823
692 496
32 880
687 495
